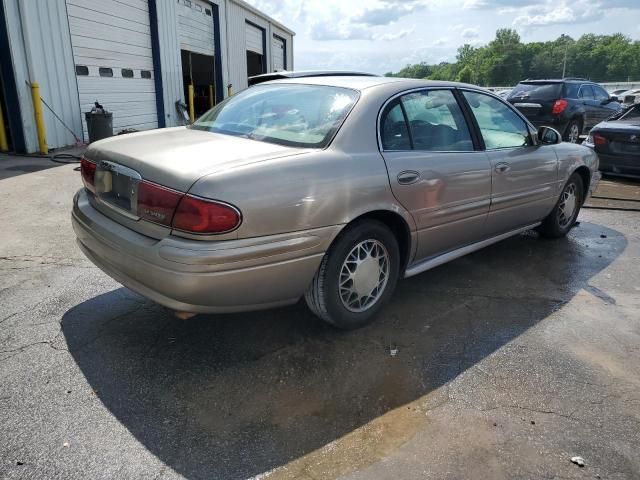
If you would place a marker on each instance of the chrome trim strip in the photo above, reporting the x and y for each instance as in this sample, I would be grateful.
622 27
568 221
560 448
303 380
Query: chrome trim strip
527 105
430 263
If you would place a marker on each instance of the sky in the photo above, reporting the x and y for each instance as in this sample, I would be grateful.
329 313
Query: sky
379 36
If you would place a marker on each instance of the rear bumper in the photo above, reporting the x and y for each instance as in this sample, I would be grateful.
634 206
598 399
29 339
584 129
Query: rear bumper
619 165
202 276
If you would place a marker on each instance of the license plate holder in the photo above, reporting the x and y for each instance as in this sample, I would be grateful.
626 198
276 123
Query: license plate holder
117 187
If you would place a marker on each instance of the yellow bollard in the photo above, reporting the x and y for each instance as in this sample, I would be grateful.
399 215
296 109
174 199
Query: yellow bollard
37 112
211 102
4 145
229 90
192 114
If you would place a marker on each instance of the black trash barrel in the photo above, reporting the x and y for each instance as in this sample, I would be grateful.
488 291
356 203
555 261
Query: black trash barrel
99 125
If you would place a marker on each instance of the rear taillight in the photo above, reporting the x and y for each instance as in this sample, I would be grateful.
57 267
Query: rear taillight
599 140
183 212
157 203
559 107
198 215
88 171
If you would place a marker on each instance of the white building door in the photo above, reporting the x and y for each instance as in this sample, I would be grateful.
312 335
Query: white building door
195 27
111 43
278 52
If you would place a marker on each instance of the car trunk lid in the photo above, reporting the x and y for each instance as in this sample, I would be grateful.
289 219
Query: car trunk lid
174 158
623 137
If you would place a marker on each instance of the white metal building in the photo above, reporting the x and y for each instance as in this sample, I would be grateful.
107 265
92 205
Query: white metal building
135 57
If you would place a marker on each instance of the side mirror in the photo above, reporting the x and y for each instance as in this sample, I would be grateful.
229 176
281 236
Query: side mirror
549 136
607 101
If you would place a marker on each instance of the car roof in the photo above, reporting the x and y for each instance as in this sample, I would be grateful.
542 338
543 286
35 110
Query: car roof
364 82
265 77
557 80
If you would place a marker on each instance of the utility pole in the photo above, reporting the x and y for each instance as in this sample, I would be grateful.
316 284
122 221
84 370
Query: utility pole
566 48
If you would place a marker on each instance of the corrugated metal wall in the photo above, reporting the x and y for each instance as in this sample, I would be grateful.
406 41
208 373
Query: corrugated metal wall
236 41
41 51
169 44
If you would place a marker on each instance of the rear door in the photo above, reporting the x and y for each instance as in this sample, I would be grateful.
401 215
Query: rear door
435 169
524 175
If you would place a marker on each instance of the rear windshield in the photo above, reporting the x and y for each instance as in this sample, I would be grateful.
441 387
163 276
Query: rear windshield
287 114
538 91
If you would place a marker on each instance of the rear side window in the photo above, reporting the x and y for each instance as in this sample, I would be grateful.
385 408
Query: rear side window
571 90
586 92
537 91
436 122
393 129
500 126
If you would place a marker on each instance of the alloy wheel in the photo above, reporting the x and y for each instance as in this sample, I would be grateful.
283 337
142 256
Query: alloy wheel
364 275
568 205
574 133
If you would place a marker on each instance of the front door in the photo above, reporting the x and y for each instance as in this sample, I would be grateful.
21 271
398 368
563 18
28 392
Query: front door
591 107
435 170
524 175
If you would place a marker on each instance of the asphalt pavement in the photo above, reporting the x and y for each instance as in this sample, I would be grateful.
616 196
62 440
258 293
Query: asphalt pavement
503 364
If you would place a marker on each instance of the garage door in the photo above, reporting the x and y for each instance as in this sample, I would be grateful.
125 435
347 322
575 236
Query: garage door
278 54
253 38
195 27
111 42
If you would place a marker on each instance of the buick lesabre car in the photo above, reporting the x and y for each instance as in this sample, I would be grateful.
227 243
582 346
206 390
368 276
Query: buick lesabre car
332 188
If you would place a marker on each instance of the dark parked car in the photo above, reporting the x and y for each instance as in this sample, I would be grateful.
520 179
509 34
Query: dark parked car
571 106
617 143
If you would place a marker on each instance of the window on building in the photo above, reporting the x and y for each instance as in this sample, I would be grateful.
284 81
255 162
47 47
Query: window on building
106 72
208 12
145 74
127 73
82 70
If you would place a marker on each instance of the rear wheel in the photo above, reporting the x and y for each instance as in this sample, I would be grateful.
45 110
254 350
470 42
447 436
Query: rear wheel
573 131
564 214
356 277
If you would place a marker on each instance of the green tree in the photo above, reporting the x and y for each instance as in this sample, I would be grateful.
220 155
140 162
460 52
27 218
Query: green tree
506 60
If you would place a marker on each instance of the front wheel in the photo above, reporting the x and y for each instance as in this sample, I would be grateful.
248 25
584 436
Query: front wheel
356 277
564 214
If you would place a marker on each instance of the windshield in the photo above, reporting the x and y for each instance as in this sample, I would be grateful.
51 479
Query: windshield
540 91
286 114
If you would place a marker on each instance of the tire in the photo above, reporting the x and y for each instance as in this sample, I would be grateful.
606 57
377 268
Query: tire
559 221
335 305
573 131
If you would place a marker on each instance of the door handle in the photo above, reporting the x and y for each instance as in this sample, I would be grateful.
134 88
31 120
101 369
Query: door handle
408 177
502 167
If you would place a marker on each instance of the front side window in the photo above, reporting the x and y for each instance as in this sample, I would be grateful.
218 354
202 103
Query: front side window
293 115
499 125
600 93
436 122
